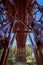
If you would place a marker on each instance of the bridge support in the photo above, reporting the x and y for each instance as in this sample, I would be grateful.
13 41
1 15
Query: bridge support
39 55
5 55
21 37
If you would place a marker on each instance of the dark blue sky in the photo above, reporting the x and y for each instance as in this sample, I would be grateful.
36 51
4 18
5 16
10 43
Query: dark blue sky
40 2
38 15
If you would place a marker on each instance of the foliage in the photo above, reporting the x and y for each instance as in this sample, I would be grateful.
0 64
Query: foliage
11 60
29 56
30 59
